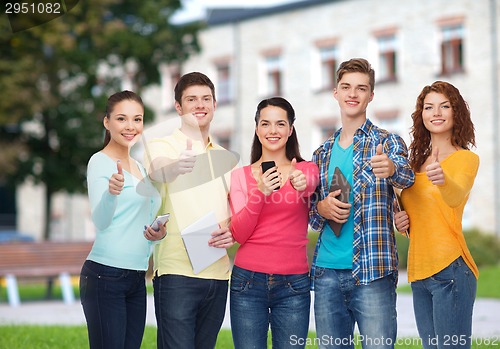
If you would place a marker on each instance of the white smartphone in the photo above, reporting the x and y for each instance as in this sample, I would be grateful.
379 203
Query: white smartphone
160 220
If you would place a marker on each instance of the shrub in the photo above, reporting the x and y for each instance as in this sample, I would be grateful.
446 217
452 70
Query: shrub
485 248
402 243
311 245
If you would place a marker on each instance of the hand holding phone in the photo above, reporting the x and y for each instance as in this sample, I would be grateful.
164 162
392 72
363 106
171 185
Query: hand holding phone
160 220
266 165
401 219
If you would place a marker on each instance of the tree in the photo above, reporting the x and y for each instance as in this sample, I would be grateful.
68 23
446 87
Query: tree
54 92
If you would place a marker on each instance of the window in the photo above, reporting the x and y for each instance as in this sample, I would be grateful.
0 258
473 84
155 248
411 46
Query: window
273 75
223 89
223 138
327 127
390 120
328 56
7 207
387 58
452 60
327 131
173 77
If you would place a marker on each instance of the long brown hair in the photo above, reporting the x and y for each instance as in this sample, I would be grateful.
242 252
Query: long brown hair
463 128
113 100
292 144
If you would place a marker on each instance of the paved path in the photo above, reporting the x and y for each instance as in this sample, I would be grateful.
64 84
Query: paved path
486 320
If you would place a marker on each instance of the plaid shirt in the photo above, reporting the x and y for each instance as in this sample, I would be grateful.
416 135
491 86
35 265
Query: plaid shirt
374 245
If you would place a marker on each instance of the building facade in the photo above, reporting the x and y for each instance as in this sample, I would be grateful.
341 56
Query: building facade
293 51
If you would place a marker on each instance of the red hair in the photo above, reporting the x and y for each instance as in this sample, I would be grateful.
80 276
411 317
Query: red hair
463 128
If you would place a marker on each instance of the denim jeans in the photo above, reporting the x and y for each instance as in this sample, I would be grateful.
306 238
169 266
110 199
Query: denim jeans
443 305
258 300
114 303
189 311
339 304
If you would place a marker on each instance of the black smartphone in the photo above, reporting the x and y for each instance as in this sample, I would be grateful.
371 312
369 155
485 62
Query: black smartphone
266 165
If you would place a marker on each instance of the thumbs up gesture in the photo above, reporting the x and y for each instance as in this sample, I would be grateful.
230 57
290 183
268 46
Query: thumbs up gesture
297 177
434 171
187 159
117 180
382 166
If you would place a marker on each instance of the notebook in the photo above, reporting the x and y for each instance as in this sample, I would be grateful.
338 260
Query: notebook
195 238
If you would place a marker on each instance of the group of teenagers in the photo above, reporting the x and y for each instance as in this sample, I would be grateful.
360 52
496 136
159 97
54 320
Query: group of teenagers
267 212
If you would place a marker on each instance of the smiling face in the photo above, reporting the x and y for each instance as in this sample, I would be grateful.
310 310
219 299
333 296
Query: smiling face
273 129
197 107
437 114
353 92
125 123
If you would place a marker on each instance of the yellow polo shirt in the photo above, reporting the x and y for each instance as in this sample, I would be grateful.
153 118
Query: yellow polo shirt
188 198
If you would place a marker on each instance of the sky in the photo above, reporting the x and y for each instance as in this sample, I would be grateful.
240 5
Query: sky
194 9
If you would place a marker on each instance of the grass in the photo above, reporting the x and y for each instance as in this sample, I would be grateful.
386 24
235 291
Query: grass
75 337
488 285
37 290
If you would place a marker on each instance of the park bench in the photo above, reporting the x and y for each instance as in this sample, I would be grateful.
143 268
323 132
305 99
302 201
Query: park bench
47 260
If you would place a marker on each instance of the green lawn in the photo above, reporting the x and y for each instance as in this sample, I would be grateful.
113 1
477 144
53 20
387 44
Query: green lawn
75 337
488 285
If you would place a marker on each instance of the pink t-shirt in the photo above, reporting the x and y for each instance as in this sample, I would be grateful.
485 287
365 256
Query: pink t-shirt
272 230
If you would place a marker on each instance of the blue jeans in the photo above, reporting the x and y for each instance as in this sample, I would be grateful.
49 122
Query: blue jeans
339 303
114 303
258 300
443 305
189 311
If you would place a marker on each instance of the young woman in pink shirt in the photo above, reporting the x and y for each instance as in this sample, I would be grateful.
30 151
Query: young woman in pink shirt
270 280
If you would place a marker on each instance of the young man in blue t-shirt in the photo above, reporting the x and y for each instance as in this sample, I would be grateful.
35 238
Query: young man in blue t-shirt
354 274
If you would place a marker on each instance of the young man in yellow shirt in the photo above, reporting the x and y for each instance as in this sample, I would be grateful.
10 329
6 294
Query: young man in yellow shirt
190 306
